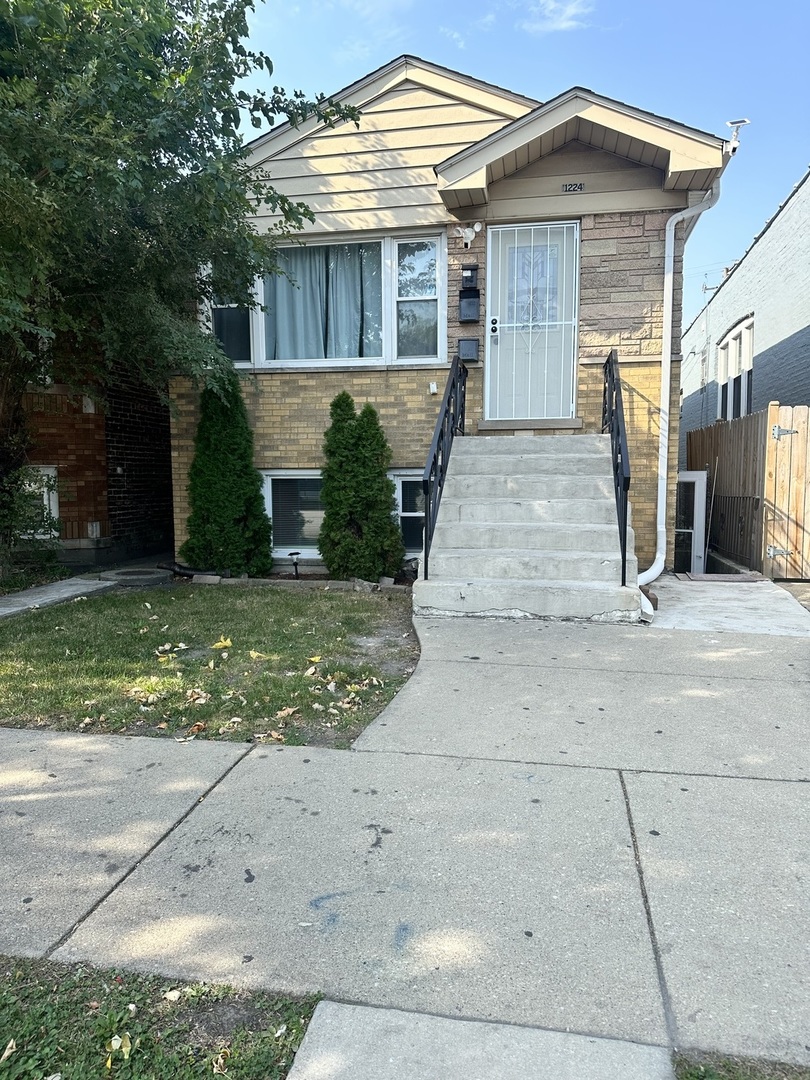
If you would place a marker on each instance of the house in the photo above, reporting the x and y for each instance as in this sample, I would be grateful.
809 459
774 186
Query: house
460 218
110 470
751 342
745 389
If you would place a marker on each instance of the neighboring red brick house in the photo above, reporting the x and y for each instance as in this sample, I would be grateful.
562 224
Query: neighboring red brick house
112 466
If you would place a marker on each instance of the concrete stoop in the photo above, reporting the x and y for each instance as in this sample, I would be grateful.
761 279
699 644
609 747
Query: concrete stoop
527 527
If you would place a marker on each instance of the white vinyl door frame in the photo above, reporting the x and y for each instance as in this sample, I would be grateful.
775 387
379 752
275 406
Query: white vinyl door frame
698 525
532 316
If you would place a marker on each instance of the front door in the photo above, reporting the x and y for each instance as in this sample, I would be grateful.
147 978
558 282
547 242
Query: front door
532 289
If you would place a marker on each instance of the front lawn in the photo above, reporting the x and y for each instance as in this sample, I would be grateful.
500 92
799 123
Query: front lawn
236 662
695 1066
77 1023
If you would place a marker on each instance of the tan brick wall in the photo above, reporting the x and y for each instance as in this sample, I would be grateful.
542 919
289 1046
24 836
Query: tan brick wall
289 412
622 284
641 391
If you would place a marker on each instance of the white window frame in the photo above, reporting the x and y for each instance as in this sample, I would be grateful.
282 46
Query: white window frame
311 552
50 497
268 477
398 475
735 357
390 285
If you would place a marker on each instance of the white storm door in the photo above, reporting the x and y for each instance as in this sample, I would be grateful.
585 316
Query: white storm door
532 293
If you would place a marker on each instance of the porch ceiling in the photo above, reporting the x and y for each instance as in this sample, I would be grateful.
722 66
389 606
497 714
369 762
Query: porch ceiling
688 159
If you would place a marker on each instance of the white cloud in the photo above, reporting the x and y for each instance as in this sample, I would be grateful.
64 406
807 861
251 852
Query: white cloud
549 16
454 36
486 22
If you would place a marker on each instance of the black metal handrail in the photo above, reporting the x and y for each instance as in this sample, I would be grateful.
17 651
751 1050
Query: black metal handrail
613 422
449 424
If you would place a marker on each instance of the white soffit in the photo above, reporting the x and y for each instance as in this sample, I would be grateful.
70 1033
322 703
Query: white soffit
688 159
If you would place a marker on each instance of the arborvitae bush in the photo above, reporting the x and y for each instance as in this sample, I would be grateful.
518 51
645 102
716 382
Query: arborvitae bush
228 528
360 535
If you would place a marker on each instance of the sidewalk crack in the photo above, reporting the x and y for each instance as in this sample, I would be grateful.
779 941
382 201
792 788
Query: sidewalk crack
105 896
666 1000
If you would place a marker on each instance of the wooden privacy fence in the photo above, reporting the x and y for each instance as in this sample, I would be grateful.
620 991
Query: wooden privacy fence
758 471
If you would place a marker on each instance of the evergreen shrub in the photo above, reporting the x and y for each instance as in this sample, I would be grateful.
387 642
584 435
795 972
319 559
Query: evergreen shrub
360 534
228 528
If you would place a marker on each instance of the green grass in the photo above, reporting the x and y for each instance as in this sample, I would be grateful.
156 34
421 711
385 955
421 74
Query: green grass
232 663
64 1020
694 1066
15 578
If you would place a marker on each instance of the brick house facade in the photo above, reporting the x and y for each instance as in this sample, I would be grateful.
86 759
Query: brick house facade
112 466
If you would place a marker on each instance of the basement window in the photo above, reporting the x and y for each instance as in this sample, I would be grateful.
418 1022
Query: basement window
293 502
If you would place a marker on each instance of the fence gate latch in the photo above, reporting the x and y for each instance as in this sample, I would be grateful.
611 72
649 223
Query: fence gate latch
775 552
777 432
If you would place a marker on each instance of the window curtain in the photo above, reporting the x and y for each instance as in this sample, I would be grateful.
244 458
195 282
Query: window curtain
330 306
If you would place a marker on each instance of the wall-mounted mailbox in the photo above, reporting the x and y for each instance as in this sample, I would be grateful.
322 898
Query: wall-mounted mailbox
469 297
469 277
468 349
469 305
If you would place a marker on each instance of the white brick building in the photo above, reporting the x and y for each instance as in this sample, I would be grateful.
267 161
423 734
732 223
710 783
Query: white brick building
751 342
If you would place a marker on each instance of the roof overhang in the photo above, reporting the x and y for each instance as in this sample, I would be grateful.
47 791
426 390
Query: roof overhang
690 160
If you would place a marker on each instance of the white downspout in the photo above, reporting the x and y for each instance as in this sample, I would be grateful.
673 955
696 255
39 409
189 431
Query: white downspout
666 377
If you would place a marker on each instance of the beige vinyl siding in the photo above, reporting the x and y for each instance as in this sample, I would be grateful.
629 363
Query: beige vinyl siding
380 175
612 184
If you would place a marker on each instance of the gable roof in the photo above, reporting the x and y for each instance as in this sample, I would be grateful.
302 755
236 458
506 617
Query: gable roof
405 69
689 159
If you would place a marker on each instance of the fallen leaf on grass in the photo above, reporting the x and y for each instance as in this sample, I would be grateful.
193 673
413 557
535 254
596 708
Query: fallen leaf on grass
223 643
317 705
231 725
311 670
314 659
258 655
262 736
195 729
9 1050
185 738
290 709
172 995
219 1063
119 1042
280 1031
198 696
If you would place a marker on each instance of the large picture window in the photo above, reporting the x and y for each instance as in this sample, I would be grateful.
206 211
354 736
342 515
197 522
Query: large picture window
378 301
328 304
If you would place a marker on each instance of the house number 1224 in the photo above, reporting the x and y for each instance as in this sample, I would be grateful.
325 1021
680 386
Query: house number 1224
572 187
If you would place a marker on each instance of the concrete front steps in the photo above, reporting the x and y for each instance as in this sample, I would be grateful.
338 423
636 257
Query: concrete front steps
527 527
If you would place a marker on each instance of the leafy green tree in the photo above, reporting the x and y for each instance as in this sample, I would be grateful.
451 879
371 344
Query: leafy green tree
125 194
360 535
228 528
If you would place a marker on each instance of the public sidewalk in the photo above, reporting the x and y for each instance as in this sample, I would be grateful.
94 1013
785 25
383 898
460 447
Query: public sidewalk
561 851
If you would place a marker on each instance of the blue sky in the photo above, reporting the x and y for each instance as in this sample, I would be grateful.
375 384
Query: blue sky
699 63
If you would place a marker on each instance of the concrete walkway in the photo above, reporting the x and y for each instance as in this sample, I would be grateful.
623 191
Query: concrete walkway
561 851
58 592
